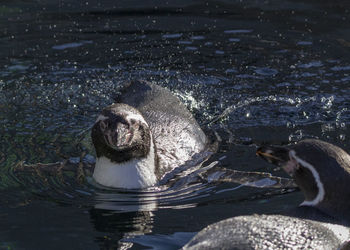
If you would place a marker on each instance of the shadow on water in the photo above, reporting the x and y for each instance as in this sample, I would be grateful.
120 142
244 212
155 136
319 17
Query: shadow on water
252 71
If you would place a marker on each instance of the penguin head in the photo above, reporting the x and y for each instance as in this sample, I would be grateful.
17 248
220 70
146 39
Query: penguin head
321 171
120 134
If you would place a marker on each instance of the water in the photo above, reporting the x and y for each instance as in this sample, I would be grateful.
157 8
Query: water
254 71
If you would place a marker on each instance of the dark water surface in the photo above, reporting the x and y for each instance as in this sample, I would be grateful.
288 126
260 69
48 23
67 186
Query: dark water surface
256 71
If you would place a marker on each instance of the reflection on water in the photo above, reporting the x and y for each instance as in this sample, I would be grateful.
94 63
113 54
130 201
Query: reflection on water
252 72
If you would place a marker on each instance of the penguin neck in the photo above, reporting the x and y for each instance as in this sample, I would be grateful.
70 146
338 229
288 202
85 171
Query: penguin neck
132 174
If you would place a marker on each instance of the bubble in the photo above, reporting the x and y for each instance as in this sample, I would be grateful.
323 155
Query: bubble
296 136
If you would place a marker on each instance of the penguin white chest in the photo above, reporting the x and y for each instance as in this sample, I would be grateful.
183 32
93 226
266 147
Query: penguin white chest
133 174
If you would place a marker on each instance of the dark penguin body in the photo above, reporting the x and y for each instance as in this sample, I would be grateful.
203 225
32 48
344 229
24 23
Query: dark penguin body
322 172
145 134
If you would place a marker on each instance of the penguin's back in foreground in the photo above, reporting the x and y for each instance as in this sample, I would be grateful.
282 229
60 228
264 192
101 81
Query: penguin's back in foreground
269 232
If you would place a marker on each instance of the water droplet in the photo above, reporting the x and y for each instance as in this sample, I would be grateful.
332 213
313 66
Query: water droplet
340 68
290 125
191 48
184 42
237 31
219 52
266 71
197 37
172 36
311 64
305 43
296 136
327 127
235 40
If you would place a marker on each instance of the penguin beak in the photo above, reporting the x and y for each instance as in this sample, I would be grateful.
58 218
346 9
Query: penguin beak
268 156
278 156
117 133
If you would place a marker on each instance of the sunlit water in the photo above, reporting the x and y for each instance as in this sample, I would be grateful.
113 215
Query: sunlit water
254 73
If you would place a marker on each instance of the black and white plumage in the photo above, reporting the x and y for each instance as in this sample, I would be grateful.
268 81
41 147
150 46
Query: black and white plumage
322 172
145 134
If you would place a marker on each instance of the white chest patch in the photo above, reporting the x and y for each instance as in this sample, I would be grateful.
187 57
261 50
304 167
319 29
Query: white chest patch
134 174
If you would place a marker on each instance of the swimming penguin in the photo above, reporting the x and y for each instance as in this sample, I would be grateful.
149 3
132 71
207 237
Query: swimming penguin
322 172
144 135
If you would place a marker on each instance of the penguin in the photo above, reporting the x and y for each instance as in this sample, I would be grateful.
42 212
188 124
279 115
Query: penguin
145 134
322 172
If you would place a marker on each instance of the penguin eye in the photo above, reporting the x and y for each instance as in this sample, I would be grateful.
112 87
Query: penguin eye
300 168
104 124
132 121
